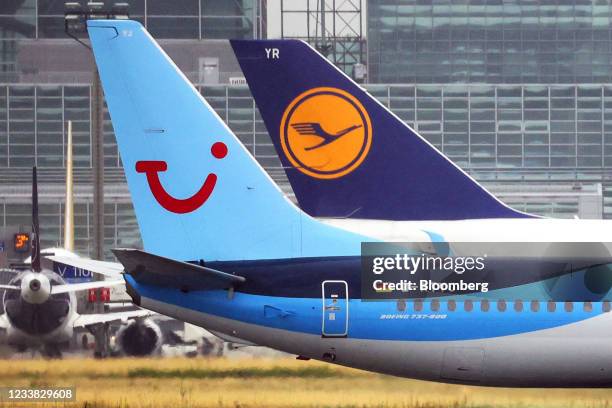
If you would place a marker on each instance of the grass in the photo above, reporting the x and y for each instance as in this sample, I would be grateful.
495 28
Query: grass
258 382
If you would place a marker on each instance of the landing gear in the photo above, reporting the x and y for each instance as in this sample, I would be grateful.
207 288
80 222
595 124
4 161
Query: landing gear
102 339
329 356
51 351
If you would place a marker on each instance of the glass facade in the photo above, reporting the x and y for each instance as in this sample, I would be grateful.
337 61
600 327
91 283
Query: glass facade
512 126
32 121
504 135
120 230
492 41
175 19
496 127
516 92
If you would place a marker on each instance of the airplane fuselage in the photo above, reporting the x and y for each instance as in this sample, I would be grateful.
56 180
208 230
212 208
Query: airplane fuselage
312 307
32 324
268 273
20 338
536 349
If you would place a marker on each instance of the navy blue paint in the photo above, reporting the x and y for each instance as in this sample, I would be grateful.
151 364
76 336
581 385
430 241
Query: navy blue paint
302 277
402 177
71 273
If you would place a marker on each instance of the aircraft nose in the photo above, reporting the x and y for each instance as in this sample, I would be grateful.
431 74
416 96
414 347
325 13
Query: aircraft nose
35 285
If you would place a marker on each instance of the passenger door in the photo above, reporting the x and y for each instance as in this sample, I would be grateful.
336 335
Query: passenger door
335 309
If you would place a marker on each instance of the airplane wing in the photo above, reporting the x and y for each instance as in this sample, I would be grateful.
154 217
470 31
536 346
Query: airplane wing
110 269
96 318
73 287
10 287
157 270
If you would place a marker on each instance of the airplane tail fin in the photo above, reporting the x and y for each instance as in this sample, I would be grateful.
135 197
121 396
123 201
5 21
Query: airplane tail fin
197 192
35 254
345 154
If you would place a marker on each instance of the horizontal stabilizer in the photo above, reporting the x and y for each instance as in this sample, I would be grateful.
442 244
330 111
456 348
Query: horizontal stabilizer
74 287
157 270
97 318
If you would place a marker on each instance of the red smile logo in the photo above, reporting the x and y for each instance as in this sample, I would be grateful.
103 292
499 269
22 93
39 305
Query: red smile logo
177 205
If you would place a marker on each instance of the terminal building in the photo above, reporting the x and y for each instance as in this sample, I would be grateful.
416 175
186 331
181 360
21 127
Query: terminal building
517 93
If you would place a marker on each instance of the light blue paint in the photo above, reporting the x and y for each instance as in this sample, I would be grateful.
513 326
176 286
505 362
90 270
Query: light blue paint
158 115
365 320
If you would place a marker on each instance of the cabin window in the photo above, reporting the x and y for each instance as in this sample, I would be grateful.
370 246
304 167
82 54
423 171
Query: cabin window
484 305
468 305
501 305
451 305
535 306
518 305
587 307
401 305
418 305
568 306
551 306
605 306
435 305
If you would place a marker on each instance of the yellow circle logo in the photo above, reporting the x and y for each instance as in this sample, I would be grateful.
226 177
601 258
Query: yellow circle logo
326 133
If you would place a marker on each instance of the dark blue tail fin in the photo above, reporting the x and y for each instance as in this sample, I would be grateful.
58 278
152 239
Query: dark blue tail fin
345 154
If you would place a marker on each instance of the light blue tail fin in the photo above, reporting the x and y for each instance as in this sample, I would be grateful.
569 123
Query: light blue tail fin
197 192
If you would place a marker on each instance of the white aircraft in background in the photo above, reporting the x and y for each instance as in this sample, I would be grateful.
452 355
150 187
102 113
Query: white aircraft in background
40 306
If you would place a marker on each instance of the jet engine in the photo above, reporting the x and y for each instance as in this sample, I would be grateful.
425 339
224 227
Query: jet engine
139 338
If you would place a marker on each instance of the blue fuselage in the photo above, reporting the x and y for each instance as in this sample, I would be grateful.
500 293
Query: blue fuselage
317 304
